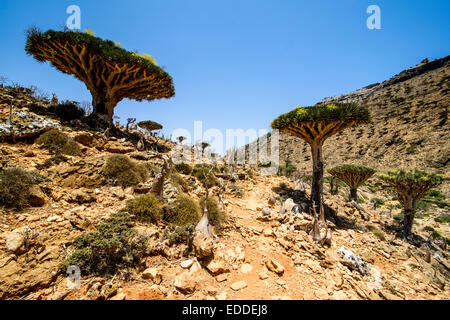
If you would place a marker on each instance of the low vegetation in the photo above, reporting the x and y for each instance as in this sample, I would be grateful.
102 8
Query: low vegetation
216 216
59 143
15 186
146 208
114 245
121 170
184 211
184 168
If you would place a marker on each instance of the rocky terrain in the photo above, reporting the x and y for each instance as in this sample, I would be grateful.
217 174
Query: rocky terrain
409 128
258 252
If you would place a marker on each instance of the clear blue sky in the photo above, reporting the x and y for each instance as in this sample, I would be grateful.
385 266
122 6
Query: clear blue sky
236 63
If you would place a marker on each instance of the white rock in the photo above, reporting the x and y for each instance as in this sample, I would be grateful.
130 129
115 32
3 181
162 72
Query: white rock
187 264
16 238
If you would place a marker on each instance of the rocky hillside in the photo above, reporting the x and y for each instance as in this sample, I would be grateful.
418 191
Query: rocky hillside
410 126
258 252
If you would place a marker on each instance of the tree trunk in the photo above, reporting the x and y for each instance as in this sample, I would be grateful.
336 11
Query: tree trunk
102 107
203 225
408 216
353 194
158 184
317 178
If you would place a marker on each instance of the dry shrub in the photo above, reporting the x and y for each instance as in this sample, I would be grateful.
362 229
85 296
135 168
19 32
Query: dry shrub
123 171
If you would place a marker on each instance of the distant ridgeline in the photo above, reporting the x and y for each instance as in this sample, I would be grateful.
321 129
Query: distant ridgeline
409 128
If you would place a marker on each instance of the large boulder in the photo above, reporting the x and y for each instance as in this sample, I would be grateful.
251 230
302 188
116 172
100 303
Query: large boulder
185 282
37 197
203 245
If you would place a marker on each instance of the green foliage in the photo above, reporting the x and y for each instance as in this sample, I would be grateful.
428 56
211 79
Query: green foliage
179 182
352 175
184 211
409 177
15 186
66 111
107 49
199 172
145 208
443 218
378 201
56 159
435 195
330 112
179 234
215 216
58 142
114 245
150 125
183 168
377 232
237 191
434 234
283 185
124 171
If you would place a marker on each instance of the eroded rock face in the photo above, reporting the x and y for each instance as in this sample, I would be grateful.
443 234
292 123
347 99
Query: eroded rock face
25 126
119 147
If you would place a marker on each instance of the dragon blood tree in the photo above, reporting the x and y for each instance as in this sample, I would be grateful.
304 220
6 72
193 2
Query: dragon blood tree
353 176
411 186
109 72
150 125
315 125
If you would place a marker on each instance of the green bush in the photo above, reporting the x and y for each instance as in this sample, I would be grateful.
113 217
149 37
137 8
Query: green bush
15 186
179 234
215 216
179 182
183 211
67 111
378 201
199 173
115 244
57 159
183 168
124 171
146 208
283 185
237 191
443 218
59 143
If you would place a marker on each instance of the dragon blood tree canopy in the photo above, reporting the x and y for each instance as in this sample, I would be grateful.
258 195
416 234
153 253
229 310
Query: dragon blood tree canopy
150 125
411 186
109 72
315 125
353 176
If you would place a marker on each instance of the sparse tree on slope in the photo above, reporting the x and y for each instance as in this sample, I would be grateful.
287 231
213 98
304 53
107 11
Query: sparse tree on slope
109 72
353 176
315 125
411 186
